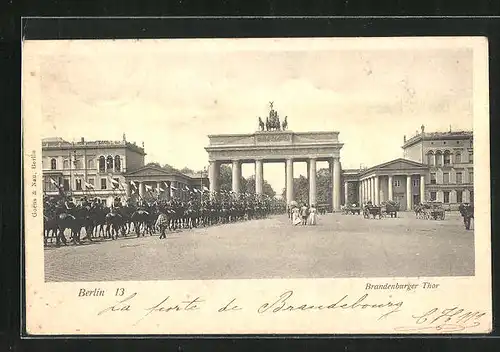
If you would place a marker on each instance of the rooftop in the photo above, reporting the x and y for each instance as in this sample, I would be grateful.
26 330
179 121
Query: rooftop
58 142
437 136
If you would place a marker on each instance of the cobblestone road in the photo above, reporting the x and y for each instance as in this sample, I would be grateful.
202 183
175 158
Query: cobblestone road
339 246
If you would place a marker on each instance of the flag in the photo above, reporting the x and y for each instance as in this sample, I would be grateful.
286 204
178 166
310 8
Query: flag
54 182
161 189
166 184
89 186
186 188
133 184
205 189
175 189
148 188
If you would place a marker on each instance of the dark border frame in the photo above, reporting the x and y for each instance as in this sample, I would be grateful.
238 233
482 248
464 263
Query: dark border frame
121 28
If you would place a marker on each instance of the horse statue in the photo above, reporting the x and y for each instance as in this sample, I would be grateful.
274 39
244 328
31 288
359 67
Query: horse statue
261 125
284 125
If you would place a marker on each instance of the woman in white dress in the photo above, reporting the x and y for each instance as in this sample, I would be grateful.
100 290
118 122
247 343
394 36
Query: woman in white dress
313 216
296 219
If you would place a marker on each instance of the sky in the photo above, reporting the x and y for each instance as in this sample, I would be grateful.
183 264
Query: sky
171 94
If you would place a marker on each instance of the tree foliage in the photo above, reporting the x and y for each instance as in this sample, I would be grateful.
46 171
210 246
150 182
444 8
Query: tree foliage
247 185
323 188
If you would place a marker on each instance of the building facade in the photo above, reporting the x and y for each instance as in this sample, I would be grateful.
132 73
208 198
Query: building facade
437 166
95 168
110 169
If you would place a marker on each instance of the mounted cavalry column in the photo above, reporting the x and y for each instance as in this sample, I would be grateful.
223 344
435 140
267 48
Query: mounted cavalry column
336 185
236 176
289 180
312 181
408 192
259 177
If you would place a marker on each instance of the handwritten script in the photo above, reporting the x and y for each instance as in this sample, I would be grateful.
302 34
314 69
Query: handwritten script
453 319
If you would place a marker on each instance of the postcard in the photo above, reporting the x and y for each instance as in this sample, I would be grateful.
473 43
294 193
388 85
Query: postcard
257 186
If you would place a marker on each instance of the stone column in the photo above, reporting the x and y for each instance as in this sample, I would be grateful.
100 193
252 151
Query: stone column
377 192
408 192
168 191
369 192
213 176
127 189
336 184
422 188
359 194
312 181
389 187
236 176
141 189
289 180
158 185
259 177
346 192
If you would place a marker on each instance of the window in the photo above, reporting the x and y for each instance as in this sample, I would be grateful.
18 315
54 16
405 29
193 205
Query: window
446 196
446 177
416 183
102 163
109 163
66 164
53 164
78 184
447 158
117 163
430 159
433 178
116 185
90 164
458 157
459 196
78 164
471 157
397 183
103 183
471 197
459 177
471 176
66 184
433 196
439 159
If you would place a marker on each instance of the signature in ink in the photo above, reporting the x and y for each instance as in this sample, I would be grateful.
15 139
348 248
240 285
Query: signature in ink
453 319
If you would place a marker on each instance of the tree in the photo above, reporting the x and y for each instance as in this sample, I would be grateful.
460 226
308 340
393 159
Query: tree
266 187
168 168
301 188
187 170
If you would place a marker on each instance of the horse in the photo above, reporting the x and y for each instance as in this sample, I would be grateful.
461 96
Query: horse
140 217
67 221
467 212
114 224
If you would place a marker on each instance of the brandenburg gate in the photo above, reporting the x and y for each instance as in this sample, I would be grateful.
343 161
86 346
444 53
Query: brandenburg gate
274 144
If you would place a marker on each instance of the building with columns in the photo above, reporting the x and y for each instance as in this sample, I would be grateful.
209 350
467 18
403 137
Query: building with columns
285 147
100 164
437 166
111 168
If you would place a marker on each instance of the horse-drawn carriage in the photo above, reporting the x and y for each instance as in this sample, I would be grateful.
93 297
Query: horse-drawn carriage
430 211
390 208
370 209
351 209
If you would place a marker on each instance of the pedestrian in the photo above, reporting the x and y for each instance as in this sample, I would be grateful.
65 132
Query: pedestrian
296 219
312 219
304 212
